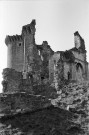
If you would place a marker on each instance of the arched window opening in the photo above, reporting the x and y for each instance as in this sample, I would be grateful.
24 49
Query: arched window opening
79 66
79 71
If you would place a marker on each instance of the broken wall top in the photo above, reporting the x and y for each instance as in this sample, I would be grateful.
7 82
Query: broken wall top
79 43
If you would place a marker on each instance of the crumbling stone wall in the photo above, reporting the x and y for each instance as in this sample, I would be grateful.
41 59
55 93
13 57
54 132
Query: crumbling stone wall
80 56
79 53
75 66
60 67
40 62
11 80
79 42
45 52
28 33
53 71
67 71
81 68
27 57
12 103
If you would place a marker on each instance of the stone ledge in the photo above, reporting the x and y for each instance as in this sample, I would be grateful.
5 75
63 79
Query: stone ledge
12 103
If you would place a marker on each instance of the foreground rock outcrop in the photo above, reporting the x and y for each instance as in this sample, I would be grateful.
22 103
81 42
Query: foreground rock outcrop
46 121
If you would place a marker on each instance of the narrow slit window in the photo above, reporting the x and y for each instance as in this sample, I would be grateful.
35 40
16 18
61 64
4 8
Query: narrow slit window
20 44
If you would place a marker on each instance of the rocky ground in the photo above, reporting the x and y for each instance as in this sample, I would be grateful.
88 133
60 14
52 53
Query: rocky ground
66 114
75 98
47 121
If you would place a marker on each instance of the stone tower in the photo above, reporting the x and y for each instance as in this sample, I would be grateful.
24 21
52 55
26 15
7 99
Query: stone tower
20 48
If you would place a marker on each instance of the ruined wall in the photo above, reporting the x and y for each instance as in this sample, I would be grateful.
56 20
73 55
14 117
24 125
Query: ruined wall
22 101
79 53
80 56
77 74
27 57
67 71
11 80
73 71
52 65
79 42
45 52
28 34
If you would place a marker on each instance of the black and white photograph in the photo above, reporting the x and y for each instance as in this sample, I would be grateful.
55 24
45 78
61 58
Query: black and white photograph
44 67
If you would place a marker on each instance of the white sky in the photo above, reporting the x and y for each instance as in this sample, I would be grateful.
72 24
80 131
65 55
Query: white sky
56 21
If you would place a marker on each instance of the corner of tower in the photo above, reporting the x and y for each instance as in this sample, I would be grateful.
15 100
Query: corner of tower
29 28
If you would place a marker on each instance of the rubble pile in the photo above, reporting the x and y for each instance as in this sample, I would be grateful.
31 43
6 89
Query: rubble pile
74 97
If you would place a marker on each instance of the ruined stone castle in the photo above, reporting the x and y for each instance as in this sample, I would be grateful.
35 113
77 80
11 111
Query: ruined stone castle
30 64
